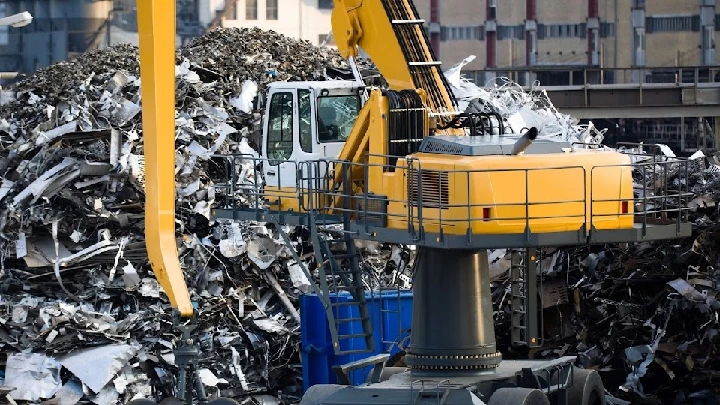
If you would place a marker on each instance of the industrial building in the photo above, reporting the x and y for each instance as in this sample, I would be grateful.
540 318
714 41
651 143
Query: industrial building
303 19
60 30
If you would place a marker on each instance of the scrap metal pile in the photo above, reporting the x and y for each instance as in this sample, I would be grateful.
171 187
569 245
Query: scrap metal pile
83 316
645 315
85 320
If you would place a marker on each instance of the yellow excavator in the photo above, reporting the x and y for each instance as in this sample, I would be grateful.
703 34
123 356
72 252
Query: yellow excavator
403 165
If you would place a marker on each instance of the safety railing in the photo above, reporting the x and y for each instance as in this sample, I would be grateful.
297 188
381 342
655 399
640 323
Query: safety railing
661 186
468 203
440 211
549 76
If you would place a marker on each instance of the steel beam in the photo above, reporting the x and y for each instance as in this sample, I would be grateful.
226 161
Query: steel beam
646 112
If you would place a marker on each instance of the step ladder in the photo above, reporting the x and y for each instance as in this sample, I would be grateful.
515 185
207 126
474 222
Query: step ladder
334 279
524 298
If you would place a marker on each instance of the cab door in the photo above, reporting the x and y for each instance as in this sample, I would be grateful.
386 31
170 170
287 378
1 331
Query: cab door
279 142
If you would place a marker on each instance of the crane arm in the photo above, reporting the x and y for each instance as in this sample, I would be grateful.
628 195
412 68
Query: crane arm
156 28
392 34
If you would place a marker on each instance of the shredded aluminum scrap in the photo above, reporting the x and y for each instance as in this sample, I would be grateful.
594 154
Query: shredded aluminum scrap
75 283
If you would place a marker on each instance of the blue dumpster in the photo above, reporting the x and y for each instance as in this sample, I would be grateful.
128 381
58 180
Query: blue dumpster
391 315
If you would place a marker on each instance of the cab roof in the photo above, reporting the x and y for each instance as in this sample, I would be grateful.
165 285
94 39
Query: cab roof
320 84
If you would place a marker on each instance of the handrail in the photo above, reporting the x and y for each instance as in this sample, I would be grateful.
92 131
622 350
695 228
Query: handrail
596 76
309 192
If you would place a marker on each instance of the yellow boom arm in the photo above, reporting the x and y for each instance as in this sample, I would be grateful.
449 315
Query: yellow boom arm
392 35
156 26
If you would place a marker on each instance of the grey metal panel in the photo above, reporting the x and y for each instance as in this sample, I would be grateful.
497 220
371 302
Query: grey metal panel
446 388
705 96
486 145
636 234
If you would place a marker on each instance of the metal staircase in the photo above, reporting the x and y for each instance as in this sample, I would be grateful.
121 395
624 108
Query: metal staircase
336 279
524 298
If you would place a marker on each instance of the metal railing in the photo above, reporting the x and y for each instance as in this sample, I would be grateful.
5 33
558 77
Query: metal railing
549 76
661 193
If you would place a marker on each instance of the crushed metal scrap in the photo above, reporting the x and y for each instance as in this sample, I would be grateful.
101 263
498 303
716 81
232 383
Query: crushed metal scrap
85 316
75 283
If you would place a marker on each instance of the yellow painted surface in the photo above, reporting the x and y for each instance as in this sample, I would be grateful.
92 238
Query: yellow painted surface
156 27
564 191
365 23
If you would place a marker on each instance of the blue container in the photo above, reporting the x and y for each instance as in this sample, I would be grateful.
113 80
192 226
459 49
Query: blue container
391 315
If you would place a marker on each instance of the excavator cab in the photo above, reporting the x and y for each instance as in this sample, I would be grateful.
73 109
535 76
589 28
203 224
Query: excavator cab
305 121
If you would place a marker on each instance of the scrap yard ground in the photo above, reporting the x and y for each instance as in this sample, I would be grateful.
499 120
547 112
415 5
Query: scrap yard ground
83 319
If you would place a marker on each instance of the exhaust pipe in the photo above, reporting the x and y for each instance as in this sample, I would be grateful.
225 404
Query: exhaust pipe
525 141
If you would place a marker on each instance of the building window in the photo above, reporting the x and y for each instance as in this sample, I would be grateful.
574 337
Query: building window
562 31
271 9
672 24
510 32
463 33
305 118
325 4
251 12
607 30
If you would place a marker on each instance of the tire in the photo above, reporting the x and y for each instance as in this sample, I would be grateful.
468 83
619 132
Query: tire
519 396
318 393
587 388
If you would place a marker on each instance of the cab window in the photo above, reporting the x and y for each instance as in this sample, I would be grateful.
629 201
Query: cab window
305 118
336 117
280 128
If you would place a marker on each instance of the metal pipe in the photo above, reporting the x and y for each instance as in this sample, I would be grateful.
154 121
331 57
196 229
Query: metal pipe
525 141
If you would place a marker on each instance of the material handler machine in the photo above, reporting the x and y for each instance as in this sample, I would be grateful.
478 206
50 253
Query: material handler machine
402 165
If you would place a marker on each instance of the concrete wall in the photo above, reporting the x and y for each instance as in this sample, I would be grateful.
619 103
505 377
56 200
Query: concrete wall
562 11
679 47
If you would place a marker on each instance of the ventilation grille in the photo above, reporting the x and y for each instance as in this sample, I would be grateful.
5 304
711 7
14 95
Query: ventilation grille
434 188
430 145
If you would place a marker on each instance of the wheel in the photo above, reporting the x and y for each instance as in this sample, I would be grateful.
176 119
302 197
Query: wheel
587 388
519 396
142 401
223 401
317 393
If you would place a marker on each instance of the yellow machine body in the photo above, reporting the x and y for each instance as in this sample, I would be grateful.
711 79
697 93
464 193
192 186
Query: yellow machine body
504 194
474 192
